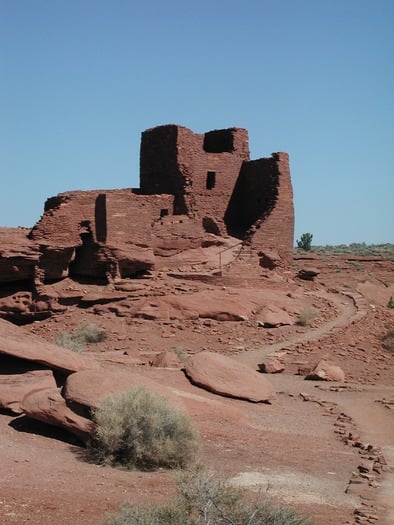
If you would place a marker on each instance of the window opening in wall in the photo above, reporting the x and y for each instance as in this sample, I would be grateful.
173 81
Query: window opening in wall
211 180
163 212
219 141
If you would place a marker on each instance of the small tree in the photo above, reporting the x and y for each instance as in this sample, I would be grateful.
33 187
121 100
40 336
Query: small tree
305 242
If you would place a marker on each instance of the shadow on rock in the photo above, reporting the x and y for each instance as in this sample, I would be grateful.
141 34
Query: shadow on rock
32 426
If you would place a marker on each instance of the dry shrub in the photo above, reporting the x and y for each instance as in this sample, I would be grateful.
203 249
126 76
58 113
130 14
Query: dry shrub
306 316
137 429
205 500
83 334
89 333
388 340
66 340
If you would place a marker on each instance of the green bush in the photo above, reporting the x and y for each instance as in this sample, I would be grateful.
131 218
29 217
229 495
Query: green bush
137 429
306 316
83 334
204 500
305 242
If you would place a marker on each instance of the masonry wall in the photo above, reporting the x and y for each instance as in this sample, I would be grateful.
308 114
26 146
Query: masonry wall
274 229
217 172
190 184
63 215
77 227
199 169
130 216
261 207
159 170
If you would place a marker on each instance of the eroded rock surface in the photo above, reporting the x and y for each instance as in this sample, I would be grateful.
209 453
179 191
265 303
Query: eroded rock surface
14 387
85 390
17 343
18 255
225 376
48 405
326 371
272 366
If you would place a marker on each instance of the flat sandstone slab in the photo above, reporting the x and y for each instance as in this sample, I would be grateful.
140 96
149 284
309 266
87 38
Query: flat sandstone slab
227 377
16 342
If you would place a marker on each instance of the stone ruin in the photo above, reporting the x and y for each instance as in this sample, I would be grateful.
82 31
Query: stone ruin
195 189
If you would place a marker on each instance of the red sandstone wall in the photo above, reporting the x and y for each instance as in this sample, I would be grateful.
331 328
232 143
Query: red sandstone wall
90 220
130 216
224 166
276 230
61 223
159 170
176 160
206 178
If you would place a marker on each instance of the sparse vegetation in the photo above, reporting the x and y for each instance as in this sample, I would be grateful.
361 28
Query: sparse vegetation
180 352
388 340
89 333
305 242
390 304
204 500
306 316
361 249
83 334
67 340
137 429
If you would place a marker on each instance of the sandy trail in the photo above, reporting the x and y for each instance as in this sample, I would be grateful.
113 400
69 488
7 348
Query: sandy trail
348 312
374 422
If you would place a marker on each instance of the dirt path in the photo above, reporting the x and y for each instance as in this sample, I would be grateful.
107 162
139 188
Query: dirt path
376 425
374 422
350 309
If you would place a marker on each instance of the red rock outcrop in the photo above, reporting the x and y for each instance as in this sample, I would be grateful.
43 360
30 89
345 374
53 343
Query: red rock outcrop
18 255
85 390
14 387
47 405
227 377
22 345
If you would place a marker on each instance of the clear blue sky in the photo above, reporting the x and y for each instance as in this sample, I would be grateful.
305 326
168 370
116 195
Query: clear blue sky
81 79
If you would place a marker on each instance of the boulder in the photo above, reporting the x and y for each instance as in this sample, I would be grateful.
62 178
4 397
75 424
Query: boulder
85 390
14 387
49 406
16 342
166 360
274 366
227 377
326 371
272 317
132 259
308 274
270 259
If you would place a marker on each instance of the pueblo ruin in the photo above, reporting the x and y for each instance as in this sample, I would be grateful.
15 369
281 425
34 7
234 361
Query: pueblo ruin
191 283
196 190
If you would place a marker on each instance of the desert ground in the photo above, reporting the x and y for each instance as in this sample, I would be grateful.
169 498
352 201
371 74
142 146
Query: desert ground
323 447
